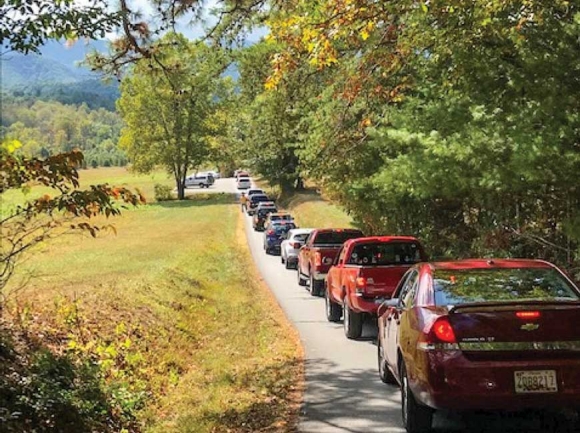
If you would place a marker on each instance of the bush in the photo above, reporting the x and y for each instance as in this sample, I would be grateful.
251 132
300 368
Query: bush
163 192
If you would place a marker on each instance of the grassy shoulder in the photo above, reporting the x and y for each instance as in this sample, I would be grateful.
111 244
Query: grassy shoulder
310 209
166 321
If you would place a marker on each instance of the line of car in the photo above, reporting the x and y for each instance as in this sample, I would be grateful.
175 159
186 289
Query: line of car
463 335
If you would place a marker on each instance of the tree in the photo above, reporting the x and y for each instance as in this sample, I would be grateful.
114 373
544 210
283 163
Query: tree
167 106
68 210
26 25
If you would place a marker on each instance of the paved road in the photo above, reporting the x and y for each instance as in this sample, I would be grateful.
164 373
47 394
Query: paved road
343 392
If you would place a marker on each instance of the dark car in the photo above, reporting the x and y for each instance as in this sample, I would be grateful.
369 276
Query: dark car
481 335
255 199
260 216
273 237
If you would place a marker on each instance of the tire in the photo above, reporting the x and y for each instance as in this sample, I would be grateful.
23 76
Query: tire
384 372
287 264
282 259
333 310
353 322
301 281
316 286
416 418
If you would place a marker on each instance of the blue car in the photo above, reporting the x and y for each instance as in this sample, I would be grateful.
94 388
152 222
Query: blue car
274 236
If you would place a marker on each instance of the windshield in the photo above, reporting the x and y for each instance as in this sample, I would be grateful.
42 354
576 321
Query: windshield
383 253
258 198
453 287
336 238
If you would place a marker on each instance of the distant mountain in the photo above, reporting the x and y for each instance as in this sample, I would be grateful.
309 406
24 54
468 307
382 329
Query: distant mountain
58 63
56 74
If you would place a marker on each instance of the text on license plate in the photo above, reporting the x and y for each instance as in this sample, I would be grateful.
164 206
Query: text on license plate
535 381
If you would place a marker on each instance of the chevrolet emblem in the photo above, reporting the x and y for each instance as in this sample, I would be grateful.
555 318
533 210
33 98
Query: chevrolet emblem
529 327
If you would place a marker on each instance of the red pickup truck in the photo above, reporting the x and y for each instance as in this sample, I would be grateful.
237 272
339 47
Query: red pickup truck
317 255
365 272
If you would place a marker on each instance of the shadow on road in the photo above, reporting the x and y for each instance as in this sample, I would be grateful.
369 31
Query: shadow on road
353 407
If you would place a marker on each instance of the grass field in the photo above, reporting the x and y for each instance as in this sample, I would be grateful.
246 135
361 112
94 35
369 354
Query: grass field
310 210
171 311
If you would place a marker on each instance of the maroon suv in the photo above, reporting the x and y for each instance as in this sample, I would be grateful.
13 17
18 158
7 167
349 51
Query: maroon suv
481 335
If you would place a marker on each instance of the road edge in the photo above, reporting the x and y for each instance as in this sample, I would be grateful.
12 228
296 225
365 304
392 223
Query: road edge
296 397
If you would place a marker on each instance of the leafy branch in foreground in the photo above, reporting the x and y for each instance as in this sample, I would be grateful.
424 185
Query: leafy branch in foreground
40 219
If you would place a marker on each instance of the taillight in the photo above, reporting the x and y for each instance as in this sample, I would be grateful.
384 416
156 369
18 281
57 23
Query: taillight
317 259
440 336
270 232
527 315
360 283
443 330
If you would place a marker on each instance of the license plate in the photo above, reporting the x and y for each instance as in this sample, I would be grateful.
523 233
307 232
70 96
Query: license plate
536 381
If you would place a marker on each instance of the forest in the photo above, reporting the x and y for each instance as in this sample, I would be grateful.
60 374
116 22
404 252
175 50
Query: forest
50 127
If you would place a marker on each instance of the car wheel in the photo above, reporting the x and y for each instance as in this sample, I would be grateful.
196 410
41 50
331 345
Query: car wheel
282 259
288 264
316 286
301 281
352 322
416 418
333 310
384 372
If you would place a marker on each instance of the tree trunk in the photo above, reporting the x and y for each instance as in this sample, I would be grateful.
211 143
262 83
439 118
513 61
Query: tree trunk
180 190
299 184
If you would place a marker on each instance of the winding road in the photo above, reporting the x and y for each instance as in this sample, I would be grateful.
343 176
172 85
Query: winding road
343 391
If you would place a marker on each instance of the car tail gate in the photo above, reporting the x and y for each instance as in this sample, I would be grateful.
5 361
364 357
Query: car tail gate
524 331
380 281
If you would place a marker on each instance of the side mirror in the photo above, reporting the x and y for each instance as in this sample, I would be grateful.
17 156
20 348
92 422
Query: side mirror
389 303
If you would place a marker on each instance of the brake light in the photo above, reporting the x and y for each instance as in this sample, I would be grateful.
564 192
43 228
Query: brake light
361 282
317 259
526 315
443 331
270 232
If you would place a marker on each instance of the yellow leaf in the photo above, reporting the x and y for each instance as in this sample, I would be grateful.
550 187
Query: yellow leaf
364 34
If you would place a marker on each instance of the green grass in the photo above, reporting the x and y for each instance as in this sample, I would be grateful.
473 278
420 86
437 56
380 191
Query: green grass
117 176
311 210
208 351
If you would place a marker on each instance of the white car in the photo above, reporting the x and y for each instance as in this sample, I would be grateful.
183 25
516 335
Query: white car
244 183
295 239
253 191
203 180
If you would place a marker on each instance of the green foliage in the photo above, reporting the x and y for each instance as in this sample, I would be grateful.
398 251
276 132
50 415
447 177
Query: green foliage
163 192
167 104
26 25
456 122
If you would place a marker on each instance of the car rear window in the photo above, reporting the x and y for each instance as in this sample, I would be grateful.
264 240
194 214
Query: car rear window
258 198
300 237
454 287
263 213
383 253
281 217
335 238
282 229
